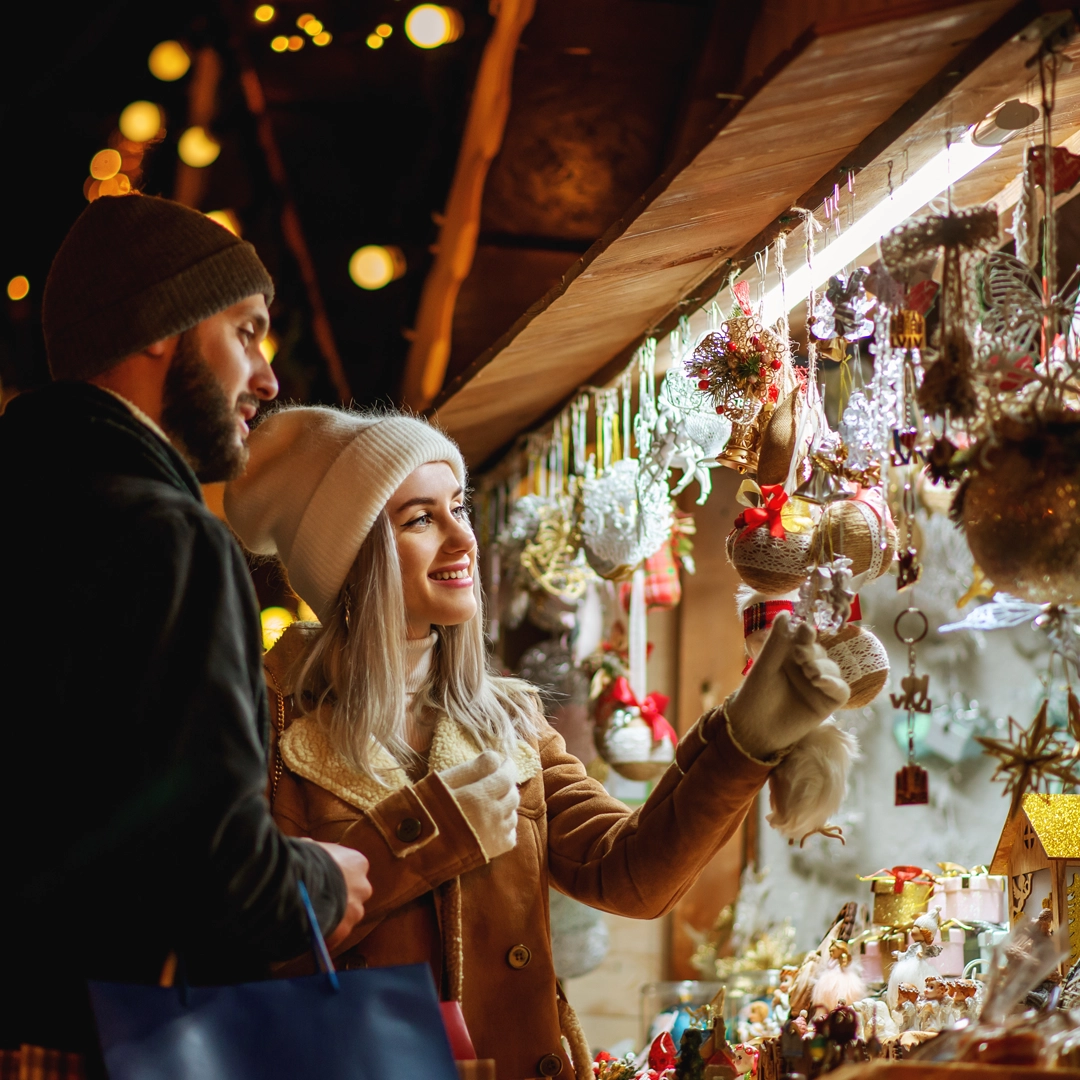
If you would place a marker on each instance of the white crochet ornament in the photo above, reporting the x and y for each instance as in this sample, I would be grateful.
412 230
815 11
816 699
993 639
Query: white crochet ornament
625 742
624 520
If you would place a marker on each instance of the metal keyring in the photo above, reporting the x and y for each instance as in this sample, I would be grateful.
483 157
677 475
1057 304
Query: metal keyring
911 640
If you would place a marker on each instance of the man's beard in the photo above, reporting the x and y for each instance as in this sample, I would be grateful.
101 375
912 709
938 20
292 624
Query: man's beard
198 418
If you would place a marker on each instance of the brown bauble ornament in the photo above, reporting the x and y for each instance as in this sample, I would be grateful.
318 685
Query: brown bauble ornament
1020 508
862 660
770 564
861 531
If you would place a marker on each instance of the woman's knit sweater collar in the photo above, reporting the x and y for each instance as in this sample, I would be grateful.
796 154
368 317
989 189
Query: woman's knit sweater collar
418 652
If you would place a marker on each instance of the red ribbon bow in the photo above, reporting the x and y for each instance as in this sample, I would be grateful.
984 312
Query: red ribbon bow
903 874
651 709
773 498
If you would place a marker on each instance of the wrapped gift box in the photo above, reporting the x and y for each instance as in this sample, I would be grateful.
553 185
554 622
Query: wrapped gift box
974 898
950 961
901 895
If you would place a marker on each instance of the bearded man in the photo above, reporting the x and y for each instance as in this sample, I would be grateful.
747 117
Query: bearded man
136 711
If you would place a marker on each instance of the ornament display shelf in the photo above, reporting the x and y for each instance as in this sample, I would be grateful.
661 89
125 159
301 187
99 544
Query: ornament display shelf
944 1070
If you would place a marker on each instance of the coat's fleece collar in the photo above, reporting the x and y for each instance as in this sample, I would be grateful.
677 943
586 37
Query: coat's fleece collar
306 750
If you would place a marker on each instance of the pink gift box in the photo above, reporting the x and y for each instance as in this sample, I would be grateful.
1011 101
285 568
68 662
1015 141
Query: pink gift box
974 897
870 961
950 961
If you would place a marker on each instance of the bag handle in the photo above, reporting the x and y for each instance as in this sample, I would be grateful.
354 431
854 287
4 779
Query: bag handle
318 942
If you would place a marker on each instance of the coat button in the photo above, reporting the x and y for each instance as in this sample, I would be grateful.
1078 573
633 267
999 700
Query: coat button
409 830
517 958
550 1065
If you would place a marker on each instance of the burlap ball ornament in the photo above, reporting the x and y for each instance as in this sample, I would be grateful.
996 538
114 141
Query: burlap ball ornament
862 660
860 530
1019 509
770 564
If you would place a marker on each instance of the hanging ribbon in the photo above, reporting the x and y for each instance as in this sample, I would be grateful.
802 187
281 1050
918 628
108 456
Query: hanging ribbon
770 512
651 709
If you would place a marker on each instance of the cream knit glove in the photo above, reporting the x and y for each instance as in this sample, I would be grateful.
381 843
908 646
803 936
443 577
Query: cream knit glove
487 795
792 687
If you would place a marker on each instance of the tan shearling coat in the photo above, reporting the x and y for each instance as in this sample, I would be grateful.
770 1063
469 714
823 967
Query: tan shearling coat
483 926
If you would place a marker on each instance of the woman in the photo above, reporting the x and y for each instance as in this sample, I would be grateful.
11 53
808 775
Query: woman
395 738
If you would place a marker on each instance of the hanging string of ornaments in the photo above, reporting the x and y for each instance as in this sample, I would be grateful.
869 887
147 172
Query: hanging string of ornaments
975 388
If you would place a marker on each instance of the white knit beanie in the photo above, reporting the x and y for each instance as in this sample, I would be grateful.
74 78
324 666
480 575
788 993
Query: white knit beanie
316 480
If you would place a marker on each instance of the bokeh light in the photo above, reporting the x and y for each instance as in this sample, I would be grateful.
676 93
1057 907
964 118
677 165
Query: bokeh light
374 41
268 347
280 43
140 121
374 266
18 288
275 621
296 42
303 20
324 38
115 185
384 29
226 219
198 149
431 25
265 13
105 164
312 27
169 61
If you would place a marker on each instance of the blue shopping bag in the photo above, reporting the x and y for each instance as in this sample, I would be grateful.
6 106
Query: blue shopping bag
370 1024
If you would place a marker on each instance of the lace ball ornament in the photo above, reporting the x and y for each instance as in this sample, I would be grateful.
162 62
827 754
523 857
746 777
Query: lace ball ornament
625 742
624 520
862 660
1019 509
769 564
862 530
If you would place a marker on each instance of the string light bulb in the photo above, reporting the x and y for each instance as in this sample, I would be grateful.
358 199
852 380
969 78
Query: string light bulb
384 30
18 288
296 43
168 61
312 27
304 19
268 347
140 121
275 621
374 41
323 39
280 43
374 266
431 25
265 13
198 149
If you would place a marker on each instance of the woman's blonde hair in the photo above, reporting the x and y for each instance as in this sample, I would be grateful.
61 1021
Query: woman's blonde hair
356 668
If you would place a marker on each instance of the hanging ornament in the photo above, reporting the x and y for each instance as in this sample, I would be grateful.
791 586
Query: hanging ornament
862 660
770 543
947 387
842 312
632 735
740 366
1018 507
912 781
861 529
787 435
826 596
552 555
1027 760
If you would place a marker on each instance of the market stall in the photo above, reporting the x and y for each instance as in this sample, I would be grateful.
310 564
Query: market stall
830 363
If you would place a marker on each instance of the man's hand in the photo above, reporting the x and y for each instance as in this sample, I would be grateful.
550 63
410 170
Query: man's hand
354 869
791 688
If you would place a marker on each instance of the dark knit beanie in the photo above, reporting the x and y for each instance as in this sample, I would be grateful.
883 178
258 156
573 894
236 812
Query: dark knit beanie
135 269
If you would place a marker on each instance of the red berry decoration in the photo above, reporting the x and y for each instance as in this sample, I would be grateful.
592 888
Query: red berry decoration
774 393
719 408
731 346
703 384
776 365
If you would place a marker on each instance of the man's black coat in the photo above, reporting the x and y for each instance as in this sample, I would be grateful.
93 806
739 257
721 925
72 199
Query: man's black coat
134 727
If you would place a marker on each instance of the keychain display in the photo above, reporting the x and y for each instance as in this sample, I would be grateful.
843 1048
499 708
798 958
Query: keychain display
912 781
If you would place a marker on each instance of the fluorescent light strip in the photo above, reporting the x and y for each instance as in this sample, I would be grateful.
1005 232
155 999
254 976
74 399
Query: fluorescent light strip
930 181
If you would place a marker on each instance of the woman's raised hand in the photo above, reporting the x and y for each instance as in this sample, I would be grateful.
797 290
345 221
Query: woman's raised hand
487 794
791 688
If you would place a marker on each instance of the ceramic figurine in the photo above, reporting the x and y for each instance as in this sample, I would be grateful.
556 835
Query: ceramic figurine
875 1020
911 965
906 1013
840 981
934 1005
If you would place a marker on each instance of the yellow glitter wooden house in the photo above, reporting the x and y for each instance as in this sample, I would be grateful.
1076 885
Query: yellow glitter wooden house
1039 851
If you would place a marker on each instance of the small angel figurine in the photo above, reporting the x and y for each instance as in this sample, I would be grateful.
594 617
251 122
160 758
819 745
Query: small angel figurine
911 965
875 1020
906 1013
934 1005
840 981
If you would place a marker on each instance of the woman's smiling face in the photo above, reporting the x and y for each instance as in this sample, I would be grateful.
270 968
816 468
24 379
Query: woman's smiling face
436 548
